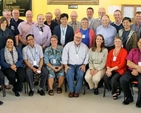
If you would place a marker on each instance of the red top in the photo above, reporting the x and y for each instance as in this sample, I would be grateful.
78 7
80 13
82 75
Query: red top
92 36
120 61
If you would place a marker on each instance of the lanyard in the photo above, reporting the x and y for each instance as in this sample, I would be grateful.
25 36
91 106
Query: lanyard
77 49
32 53
63 31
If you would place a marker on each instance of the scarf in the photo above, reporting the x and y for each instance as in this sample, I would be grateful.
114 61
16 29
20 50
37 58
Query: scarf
11 58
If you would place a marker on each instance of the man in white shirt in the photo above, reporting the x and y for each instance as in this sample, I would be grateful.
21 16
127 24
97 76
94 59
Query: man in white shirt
75 58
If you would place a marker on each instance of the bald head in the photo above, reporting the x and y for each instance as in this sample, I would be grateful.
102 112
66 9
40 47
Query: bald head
73 16
101 12
105 20
57 13
29 15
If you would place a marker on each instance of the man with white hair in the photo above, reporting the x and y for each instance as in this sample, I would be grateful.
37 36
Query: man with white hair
74 23
25 27
11 26
97 22
57 14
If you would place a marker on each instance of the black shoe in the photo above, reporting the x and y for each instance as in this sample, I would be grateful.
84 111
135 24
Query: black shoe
20 89
96 92
16 92
31 93
1 102
138 104
128 100
41 92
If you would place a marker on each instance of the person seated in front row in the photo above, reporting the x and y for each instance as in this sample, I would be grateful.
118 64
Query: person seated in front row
133 73
1 82
75 58
97 60
53 58
12 65
33 58
116 66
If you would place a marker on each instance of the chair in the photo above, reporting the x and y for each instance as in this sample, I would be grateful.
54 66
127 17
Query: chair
104 89
25 83
3 90
133 83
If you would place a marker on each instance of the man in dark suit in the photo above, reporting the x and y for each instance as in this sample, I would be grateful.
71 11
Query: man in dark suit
63 31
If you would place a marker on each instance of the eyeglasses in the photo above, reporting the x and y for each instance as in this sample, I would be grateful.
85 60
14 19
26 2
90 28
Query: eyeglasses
30 39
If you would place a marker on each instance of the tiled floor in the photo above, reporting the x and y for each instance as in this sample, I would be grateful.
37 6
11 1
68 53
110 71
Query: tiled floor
60 103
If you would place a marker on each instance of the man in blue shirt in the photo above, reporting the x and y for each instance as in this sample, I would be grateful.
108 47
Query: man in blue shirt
108 31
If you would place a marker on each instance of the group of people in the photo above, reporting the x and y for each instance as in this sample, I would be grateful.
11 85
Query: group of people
92 49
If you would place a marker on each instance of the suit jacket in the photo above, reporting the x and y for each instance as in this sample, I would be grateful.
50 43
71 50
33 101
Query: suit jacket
69 34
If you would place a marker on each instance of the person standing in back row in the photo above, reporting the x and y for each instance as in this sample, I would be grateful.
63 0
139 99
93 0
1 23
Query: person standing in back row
41 32
63 31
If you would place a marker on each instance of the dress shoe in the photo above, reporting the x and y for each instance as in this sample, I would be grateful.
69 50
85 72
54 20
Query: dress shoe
71 94
41 92
31 93
96 92
128 100
1 102
138 104
16 92
76 94
20 89
7 87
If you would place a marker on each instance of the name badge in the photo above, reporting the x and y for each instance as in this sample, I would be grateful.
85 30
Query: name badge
114 58
77 56
40 32
83 36
139 63
34 63
54 61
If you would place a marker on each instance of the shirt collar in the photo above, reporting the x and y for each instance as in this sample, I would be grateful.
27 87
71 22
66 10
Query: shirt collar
38 25
28 23
74 23
107 26
62 26
117 24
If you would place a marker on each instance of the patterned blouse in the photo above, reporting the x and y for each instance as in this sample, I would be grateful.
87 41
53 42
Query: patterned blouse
53 56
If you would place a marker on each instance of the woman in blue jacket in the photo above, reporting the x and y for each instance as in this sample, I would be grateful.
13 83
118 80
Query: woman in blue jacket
11 63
